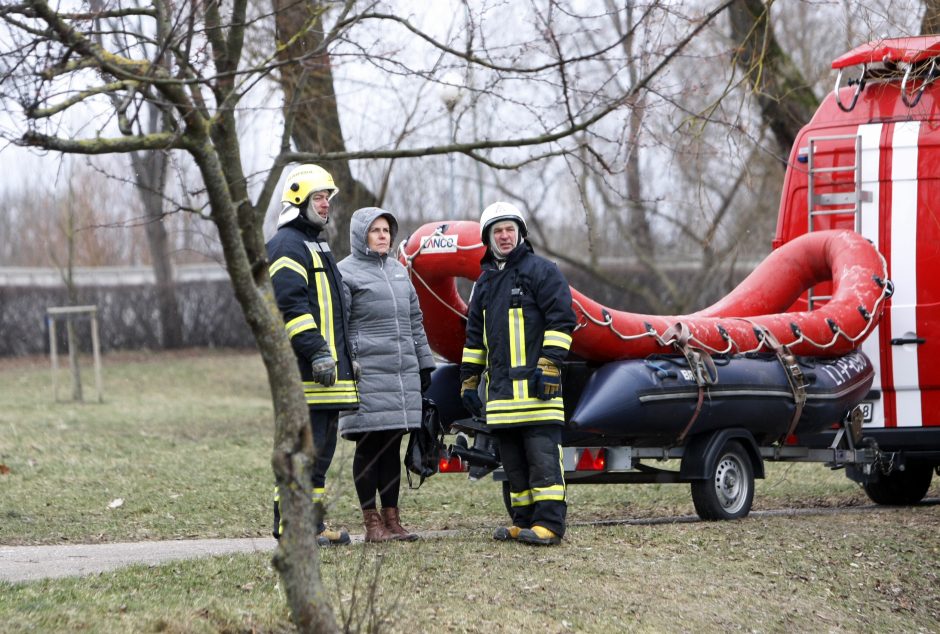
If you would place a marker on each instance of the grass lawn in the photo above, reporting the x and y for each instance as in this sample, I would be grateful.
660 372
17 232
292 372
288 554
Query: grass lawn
183 440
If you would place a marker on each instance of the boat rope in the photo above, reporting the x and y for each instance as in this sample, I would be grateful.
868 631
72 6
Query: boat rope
704 346
440 299
608 322
409 264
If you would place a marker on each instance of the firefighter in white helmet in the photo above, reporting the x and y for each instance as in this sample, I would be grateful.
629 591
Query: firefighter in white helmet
522 344
309 291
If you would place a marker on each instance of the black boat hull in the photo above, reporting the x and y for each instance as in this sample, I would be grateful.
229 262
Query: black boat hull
649 402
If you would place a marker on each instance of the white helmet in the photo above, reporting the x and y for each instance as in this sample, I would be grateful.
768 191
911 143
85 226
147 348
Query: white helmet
501 211
304 180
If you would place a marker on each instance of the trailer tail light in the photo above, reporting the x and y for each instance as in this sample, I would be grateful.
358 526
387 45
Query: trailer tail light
592 460
451 464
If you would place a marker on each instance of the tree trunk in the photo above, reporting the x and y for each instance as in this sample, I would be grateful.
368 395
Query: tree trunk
150 176
930 24
218 156
150 170
74 367
69 277
296 557
641 236
311 102
786 101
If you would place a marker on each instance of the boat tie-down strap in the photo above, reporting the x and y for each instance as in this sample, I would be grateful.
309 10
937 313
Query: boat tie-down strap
795 377
700 363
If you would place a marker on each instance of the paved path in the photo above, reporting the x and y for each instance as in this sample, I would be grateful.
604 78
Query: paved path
31 563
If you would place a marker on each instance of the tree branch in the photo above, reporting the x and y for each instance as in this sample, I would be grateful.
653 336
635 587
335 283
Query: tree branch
482 61
44 113
155 141
467 148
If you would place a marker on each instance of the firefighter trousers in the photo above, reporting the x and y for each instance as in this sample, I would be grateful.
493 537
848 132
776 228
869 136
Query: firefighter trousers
532 459
324 424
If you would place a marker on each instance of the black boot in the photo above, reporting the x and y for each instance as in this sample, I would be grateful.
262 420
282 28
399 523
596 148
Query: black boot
539 536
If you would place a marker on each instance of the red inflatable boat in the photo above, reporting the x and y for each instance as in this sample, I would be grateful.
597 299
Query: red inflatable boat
754 317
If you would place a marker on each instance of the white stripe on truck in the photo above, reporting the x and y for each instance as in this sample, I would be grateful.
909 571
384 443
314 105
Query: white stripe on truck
871 169
903 266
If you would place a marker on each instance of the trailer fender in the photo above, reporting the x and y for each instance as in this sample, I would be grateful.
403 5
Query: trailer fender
702 451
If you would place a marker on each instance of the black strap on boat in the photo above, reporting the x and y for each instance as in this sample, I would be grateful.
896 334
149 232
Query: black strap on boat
795 378
700 363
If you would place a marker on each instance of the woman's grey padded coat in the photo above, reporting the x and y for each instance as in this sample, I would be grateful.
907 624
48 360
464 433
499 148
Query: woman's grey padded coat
386 333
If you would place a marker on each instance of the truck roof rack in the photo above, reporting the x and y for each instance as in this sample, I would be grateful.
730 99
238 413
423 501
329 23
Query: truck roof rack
904 58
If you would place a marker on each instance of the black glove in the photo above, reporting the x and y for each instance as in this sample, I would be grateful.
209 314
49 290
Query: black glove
425 378
357 371
470 397
324 368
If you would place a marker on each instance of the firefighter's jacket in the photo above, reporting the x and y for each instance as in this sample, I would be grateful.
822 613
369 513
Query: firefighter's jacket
518 314
308 288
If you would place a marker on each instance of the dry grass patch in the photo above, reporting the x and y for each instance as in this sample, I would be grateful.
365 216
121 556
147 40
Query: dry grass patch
185 439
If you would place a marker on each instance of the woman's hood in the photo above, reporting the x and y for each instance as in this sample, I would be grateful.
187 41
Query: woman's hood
359 229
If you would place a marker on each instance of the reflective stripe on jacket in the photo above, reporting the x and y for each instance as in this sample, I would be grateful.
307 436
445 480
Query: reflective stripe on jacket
518 314
308 289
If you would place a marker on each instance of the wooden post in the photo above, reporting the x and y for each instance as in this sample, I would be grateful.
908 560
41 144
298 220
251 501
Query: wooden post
95 347
54 353
74 369
68 312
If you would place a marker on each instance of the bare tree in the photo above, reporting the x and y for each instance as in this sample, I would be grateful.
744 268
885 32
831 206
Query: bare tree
786 100
150 175
310 102
67 271
150 172
930 23
639 226
202 98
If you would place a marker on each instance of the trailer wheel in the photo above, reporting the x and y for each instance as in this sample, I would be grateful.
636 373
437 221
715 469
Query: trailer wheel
901 488
728 493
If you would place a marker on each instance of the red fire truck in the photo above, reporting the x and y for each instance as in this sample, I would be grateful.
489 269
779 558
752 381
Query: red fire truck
867 162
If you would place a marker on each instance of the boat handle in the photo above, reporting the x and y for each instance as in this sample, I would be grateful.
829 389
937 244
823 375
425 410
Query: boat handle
858 89
906 340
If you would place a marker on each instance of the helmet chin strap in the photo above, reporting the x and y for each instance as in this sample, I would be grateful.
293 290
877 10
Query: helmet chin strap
310 214
494 247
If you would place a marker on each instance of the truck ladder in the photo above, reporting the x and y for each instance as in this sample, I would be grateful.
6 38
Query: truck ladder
837 203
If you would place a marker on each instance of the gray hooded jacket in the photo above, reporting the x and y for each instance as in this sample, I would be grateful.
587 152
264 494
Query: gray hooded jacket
386 333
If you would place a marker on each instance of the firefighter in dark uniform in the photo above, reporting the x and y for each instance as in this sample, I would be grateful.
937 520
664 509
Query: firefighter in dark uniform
309 291
519 329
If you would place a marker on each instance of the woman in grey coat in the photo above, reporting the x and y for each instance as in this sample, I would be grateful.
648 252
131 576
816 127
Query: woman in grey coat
388 340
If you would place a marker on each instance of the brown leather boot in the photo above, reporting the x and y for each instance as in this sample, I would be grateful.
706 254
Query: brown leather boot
375 527
393 524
